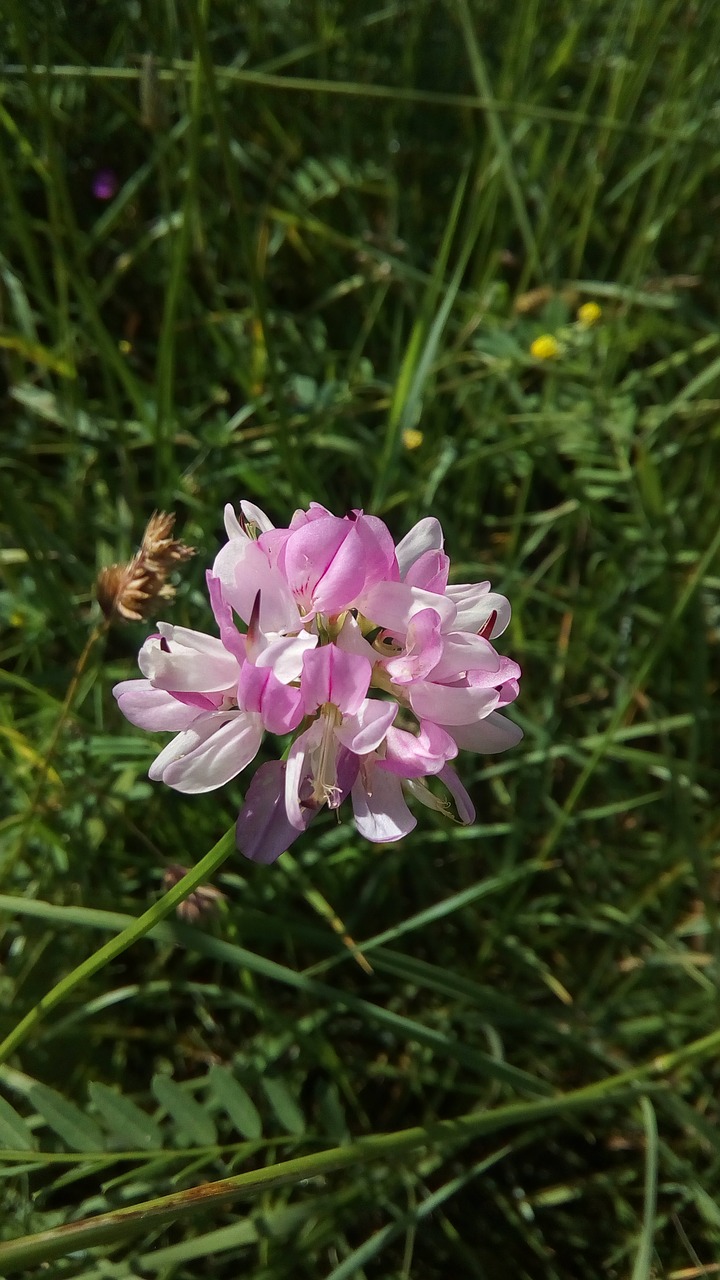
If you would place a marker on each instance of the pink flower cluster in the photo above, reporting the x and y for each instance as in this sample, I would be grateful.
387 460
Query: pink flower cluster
359 648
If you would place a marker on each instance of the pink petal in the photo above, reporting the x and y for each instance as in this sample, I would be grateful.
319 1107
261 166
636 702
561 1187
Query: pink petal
379 808
280 705
465 806
379 549
365 731
324 564
447 705
332 675
151 708
213 750
489 736
263 831
244 569
508 692
411 756
463 652
426 535
316 511
430 572
200 701
393 604
423 649
230 637
506 672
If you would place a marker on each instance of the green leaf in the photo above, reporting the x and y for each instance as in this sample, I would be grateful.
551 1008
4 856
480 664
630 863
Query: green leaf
68 1121
284 1105
188 1115
331 1113
643 1268
14 1133
235 1101
126 1121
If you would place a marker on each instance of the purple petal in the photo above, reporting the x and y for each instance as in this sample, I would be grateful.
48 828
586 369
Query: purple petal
105 184
263 831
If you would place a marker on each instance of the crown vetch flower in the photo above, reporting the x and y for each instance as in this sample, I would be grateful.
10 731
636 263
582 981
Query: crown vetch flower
361 649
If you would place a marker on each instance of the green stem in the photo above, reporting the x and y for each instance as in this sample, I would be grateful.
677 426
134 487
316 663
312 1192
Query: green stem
205 868
121 1223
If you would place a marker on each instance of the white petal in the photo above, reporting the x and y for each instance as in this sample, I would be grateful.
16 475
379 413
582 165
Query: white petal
254 515
381 813
475 602
351 639
285 654
195 663
489 736
233 528
207 755
296 771
426 535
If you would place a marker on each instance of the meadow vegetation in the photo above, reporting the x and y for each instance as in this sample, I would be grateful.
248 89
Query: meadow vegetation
333 239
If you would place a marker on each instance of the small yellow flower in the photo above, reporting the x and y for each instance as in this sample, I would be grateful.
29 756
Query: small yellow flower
411 438
588 314
545 347
124 347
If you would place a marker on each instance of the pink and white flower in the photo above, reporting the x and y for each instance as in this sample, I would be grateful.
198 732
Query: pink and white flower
361 649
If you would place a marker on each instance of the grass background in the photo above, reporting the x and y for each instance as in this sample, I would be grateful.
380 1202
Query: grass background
335 224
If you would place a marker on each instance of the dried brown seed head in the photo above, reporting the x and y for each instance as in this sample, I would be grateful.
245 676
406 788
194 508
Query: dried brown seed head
128 591
203 902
